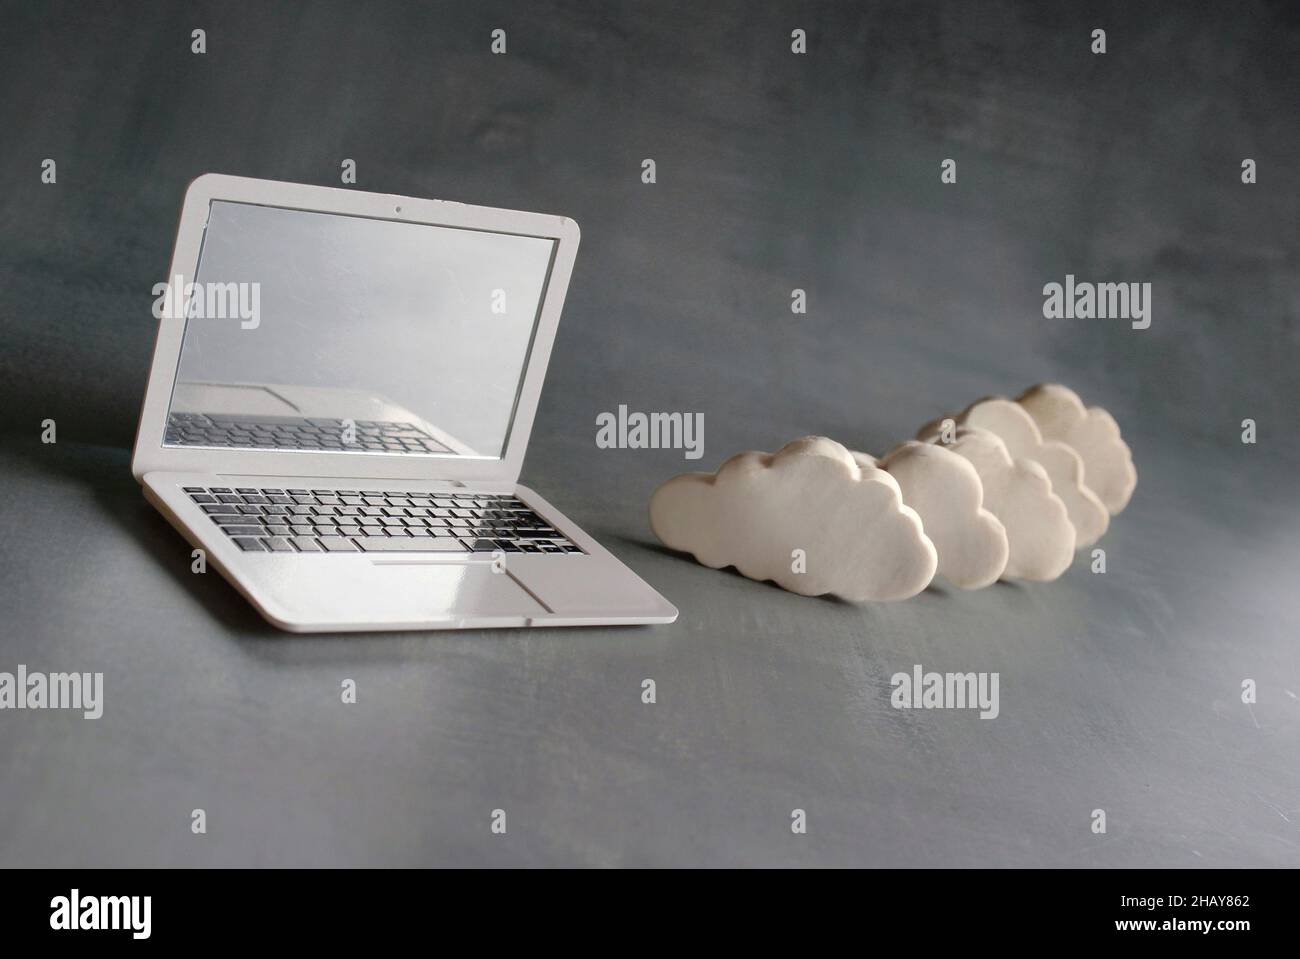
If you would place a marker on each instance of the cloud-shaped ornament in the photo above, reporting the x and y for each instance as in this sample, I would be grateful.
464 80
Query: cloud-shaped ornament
807 517
1040 536
945 489
1094 434
1017 429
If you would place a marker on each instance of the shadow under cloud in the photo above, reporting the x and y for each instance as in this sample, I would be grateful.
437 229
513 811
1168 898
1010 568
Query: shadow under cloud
659 549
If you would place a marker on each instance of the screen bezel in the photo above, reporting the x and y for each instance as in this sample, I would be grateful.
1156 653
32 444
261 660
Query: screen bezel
151 455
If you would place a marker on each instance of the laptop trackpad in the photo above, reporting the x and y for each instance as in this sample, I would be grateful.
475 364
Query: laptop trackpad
455 589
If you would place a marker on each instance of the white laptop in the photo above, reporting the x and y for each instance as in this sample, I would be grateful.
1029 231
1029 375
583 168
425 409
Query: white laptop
340 400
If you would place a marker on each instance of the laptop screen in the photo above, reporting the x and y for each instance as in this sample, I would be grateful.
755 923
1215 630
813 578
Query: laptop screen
324 332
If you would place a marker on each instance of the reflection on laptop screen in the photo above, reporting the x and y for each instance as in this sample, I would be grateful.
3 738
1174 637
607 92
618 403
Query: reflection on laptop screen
325 332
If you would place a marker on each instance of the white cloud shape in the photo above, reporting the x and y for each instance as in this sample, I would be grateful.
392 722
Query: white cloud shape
946 491
1040 536
1094 434
1012 422
856 537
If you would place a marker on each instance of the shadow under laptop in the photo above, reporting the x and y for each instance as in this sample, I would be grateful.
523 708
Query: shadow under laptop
104 472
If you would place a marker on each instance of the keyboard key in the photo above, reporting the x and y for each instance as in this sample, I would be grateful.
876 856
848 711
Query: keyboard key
277 544
238 531
337 544
306 544
248 545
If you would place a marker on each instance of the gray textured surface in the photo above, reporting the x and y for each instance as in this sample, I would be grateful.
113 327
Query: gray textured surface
1119 691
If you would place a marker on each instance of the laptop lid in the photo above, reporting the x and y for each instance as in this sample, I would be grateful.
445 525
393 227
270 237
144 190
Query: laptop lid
313 331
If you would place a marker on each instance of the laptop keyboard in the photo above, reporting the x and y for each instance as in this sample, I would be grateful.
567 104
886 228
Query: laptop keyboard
296 433
369 521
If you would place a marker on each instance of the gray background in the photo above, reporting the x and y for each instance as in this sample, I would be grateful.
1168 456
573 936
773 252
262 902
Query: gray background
775 171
